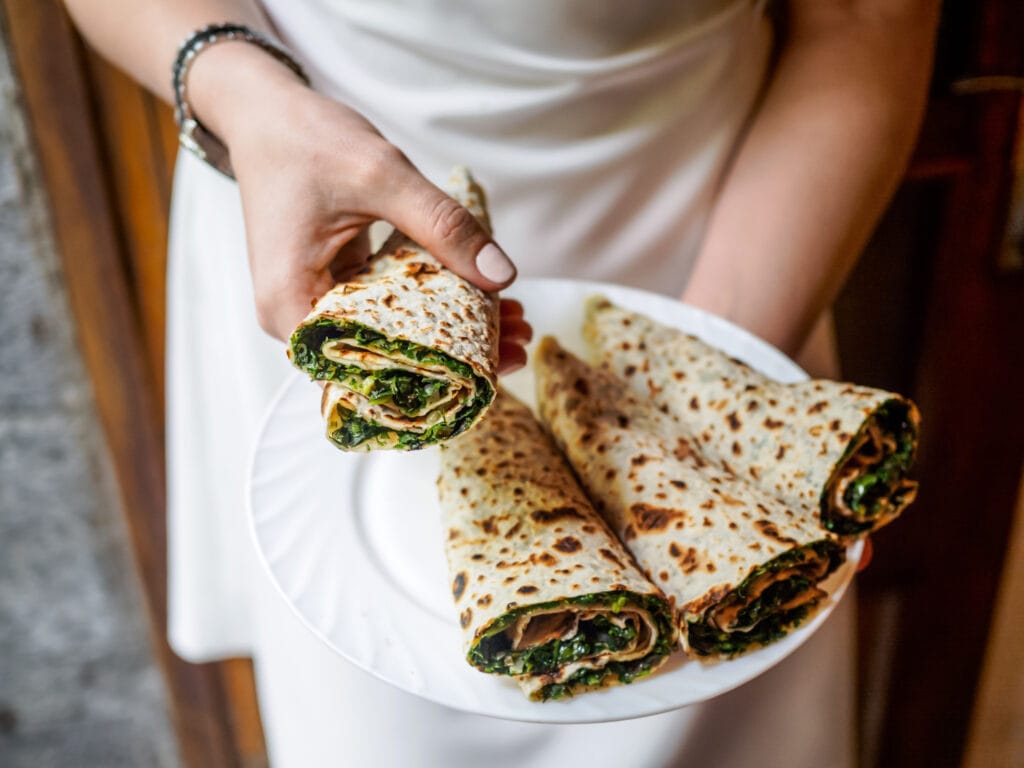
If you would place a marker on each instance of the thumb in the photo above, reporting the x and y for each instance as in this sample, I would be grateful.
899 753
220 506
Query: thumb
449 231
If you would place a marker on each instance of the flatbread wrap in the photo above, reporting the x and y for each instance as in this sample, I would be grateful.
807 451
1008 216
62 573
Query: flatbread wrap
742 568
544 591
407 347
842 450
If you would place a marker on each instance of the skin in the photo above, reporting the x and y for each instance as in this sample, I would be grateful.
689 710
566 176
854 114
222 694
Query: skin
765 263
806 189
313 174
821 158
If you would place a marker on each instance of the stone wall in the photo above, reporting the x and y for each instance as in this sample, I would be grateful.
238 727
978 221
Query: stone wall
78 685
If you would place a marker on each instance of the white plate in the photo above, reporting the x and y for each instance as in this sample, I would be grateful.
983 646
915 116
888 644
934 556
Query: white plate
353 541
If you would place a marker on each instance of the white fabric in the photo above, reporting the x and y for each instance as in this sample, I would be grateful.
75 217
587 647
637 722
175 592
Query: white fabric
600 130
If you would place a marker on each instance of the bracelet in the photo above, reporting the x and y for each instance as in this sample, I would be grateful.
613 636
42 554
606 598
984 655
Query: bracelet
192 134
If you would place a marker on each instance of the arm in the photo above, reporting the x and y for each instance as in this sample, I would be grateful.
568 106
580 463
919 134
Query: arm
312 173
818 166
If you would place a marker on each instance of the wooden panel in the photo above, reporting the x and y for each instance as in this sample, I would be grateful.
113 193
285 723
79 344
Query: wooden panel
134 160
997 727
945 562
110 337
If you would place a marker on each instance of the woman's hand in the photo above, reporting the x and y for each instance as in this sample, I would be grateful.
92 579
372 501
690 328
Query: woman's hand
313 175
515 334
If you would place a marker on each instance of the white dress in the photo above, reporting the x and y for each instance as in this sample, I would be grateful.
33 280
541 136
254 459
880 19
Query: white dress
600 130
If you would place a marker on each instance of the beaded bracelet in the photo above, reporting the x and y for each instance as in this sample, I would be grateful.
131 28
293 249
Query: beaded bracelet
192 134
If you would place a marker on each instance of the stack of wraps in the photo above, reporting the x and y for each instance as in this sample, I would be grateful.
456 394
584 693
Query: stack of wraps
742 568
544 590
838 451
408 348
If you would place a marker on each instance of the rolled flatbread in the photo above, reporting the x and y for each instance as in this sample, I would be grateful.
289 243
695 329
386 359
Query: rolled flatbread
544 590
742 568
408 348
841 450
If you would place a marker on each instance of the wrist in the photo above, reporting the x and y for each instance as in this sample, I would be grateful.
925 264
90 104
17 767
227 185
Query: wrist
235 85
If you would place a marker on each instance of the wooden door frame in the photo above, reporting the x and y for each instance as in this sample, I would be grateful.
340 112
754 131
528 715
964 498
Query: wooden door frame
114 270
110 334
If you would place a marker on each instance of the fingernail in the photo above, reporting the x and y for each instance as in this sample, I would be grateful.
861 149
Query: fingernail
494 264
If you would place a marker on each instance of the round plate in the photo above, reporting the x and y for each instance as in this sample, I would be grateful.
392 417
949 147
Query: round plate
353 541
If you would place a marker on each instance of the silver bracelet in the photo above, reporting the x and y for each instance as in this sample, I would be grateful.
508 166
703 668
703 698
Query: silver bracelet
192 134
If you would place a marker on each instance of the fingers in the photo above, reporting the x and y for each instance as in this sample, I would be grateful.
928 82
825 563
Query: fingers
510 308
450 232
516 330
514 333
511 357
866 555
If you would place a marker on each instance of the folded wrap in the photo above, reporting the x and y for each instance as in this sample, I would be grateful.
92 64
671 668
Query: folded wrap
841 450
544 590
408 348
742 568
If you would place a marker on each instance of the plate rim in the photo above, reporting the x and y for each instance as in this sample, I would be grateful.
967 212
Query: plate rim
854 550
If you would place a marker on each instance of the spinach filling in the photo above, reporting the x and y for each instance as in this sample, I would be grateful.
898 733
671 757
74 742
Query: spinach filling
492 652
625 671
878 490
768 623
410 392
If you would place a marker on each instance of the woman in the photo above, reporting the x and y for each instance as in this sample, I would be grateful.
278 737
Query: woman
655 144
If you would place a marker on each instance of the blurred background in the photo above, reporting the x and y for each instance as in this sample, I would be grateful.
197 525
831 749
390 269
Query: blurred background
934 310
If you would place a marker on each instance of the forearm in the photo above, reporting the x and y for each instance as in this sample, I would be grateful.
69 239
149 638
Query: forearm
818 166
142 38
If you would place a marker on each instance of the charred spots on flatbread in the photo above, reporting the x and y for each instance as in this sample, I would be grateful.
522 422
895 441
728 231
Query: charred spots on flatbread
639 460
484 601
477 556
568 544
769 530
680 484
611 557
650 518
737 449
688 560
629 370
771 423
547 516
734 422
527 589
465 618
459 585
684 450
